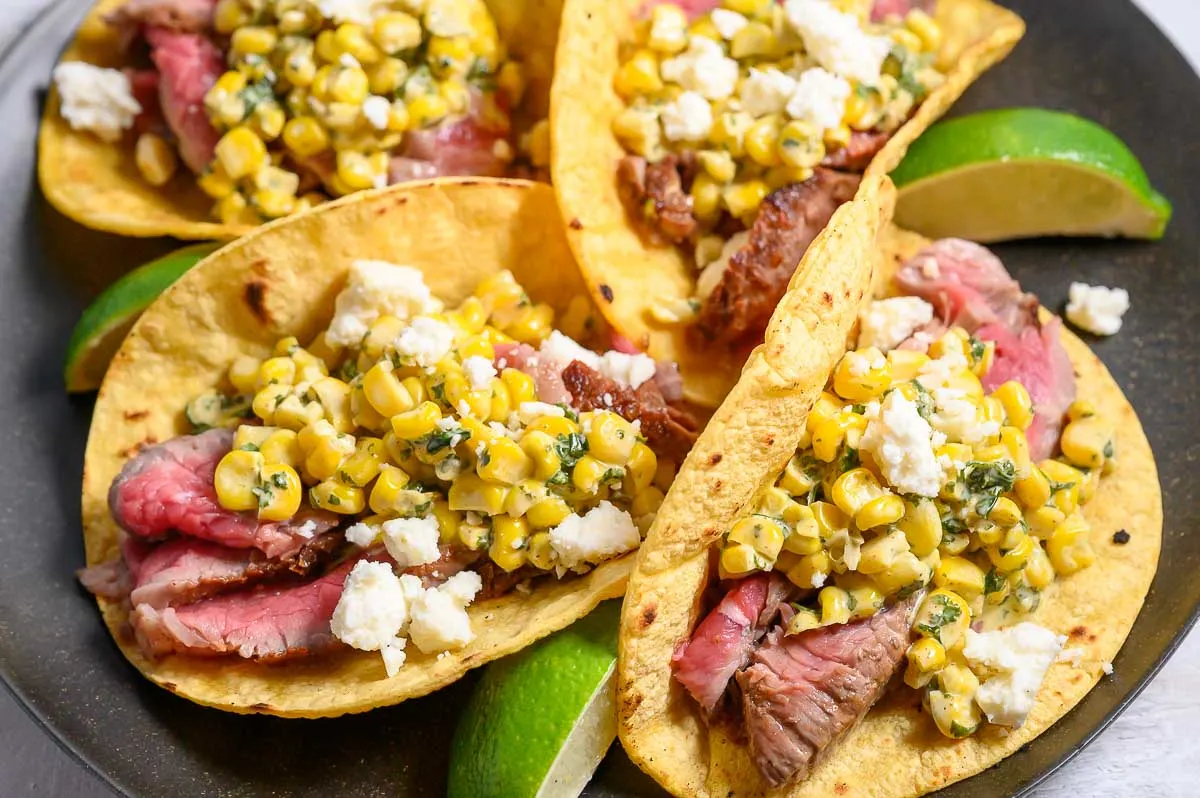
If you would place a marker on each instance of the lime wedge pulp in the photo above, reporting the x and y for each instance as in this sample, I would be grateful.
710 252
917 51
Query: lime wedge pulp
540 721
1025 172
106 321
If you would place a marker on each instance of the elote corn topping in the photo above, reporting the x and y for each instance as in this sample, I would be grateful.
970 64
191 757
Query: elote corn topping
763 91
422 433
911 477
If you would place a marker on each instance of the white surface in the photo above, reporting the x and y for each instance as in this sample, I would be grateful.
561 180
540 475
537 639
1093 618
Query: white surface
1151 750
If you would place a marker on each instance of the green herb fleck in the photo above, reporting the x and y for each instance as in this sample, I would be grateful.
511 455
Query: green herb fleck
850 459
249 447
994 582
945 612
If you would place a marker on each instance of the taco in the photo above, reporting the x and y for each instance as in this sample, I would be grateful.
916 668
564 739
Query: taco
906 570
354 432
699 147
203 118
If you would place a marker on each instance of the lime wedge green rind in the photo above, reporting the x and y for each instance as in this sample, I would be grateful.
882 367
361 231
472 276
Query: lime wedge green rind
1086 169
511 737
114 311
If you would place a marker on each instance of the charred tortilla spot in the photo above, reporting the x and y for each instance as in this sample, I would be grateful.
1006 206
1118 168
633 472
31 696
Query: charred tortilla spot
649 613
840 788
259 266
827 298
718 485
575 224
134 415
260 707
170 686
469 183
716 458
255 295
130 451
769 440
1120 537
632 701
606 292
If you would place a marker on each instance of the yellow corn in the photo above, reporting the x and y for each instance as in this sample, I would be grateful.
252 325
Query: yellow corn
554 426
905 571
549 512
337 497
230 15
638 131
960 575
861 376
800 145
748 8
470 493
504 462
391 482
928 32
1065 494
764 535
925 657
811 571
880 511
944 616
762 141
738 559
835 605
539 447
804 620
326 455
334 396
252 40
591 474
611 438
384 391
1018 407
156 159
279 492
236 478
668 29
1086 442
427 109
729 132
539 551
922 526
638 75
1068 548
853 490
305 136
396 31
956 716
1013 553
880 553
904 364
282 446
510 536
829 518
1038 571
352 40
532 325
418 422
805 537
754 40
1044 520
363 466
241 153
1033 491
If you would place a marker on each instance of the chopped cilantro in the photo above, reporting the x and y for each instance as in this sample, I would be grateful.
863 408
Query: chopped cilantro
570 414
570 448
559 478
925 403
1108 449
851 601
987 481
333 500
958 730
438 392
485 457
1028 598
1055 487
909 589
279 480
255 95
994 582
978 349
849 459
249 447
445 438
612 475
349 370
858 409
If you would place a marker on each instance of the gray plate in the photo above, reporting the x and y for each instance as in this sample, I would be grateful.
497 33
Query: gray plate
1102 59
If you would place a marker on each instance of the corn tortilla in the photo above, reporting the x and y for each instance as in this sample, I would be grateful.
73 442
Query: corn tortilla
896 750
97 183
625 272
281 280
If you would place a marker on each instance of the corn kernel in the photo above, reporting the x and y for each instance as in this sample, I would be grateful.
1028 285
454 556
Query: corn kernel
241 153
278 493
738 559
416 423
510 536
668 29
236 480
1018 407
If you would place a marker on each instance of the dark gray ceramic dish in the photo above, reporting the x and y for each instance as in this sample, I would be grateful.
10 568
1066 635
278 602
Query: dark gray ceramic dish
1107 62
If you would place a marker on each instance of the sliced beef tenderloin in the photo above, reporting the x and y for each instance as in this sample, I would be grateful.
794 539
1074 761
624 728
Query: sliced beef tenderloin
968 286
899 8
184 570
188 66
856 156
474 144
802 693
757 275
546 373
669 431
723 641
266 623
169 488
658 192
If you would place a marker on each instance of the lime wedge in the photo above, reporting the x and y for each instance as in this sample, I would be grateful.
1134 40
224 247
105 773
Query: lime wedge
104 324
540 721
1025 172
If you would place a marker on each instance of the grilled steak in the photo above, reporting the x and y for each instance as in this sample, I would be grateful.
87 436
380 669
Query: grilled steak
899 8
658 192
466 146
169 487
969 286
184 570
801 693
758 274
856 156
546 374
722 642
669 431
188 66
267 623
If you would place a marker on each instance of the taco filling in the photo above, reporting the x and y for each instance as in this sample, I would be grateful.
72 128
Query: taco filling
277 105
363 490
747 124
934 497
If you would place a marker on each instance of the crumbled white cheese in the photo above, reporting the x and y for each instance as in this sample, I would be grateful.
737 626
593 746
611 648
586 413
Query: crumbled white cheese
819 99
1018 658
439 616
307 529
393 655
631 370
603 532
376 288
375 109
858 364
687 118
887 323
412 541
530 412
1107 667
560 349
1096 308
95 99
818 579
898 440
727 22
448 18
480 372
372 610
703 68
766 91
362 534
425 340
837 42
1072 656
